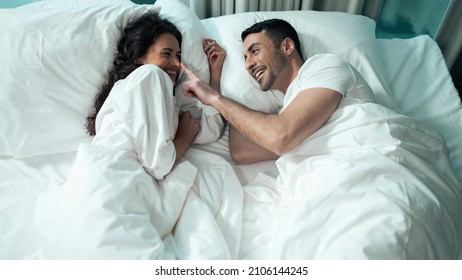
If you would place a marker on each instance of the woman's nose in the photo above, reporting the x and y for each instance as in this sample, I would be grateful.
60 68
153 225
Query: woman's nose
175 61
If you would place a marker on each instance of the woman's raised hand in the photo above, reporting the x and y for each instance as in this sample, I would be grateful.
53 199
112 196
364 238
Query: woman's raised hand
216 57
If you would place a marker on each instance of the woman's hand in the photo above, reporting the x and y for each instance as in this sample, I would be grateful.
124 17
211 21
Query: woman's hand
216 57
187 130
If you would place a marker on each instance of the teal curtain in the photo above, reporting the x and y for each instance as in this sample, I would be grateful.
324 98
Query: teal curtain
144 1
408 18
7 4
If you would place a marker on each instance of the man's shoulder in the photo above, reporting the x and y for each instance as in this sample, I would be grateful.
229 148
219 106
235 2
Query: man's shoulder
324 59
324 64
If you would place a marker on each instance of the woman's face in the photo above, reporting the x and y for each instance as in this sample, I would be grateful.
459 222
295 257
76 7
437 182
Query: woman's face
166 54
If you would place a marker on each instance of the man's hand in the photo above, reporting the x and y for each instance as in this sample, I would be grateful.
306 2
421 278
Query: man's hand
197 88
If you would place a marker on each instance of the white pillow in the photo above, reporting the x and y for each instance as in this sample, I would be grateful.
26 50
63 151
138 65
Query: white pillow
54 58
192 32
194 57
351 36
423 89
68 3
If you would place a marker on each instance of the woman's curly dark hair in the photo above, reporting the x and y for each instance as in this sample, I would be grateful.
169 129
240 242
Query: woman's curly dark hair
137 37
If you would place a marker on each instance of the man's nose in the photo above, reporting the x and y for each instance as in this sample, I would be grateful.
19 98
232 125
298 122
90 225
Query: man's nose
249 63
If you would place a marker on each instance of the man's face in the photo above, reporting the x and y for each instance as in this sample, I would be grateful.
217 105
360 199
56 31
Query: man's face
263 60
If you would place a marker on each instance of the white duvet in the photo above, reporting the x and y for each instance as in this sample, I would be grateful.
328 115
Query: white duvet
110 208
370 184
125 198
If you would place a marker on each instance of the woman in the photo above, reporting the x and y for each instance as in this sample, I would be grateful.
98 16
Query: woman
135 109
110 207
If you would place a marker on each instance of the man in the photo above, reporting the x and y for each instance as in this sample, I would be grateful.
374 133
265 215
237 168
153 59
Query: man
274 59
356 180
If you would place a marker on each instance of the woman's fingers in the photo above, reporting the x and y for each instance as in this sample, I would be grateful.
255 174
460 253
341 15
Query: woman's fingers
211 45
207 41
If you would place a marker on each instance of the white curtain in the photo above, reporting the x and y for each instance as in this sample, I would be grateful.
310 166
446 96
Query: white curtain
213 8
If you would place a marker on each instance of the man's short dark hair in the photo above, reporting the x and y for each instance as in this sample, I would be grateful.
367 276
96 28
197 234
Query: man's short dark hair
277 30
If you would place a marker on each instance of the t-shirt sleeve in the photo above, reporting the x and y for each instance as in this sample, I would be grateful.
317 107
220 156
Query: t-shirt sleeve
326 71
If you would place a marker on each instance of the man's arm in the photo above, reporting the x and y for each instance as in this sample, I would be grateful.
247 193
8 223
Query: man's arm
278 133
282 132
244 151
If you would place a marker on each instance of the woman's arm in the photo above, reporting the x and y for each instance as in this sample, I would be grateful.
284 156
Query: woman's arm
216 57
187 130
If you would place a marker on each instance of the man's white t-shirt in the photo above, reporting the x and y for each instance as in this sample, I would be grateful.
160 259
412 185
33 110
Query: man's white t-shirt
332 72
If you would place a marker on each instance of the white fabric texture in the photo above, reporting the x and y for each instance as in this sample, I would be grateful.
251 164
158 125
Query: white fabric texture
47 45
370 184
130 106
110 208
192 33
98 218
422 92
346 161
46 48
332 72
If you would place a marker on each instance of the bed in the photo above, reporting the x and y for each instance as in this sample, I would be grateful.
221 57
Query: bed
56 203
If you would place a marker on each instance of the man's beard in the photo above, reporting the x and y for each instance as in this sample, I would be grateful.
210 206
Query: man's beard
267 81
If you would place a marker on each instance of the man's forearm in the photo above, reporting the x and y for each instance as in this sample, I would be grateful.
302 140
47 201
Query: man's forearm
267 130
261 128
244 151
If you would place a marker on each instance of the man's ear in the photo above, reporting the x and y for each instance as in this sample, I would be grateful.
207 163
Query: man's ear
288 46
